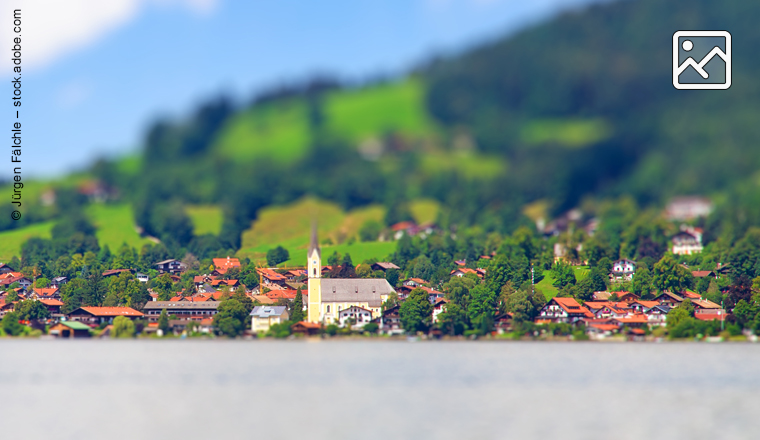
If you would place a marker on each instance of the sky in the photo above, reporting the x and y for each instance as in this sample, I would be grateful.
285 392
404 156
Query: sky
96 73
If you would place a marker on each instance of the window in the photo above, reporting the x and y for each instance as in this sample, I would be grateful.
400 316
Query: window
328 309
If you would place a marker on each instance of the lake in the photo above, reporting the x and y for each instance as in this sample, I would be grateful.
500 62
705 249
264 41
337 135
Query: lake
188 389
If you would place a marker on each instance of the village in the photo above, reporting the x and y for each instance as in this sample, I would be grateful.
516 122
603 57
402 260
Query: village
329 300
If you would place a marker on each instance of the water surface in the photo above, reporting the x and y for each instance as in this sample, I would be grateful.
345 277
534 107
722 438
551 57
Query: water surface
377 390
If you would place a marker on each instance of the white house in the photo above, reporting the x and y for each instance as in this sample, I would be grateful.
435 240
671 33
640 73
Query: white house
623 270
688 241
359 315
263 317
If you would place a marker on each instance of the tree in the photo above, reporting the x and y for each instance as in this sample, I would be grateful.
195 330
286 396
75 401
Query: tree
370 230
297 314
423 268
563 274
671 276
123 327
41 283
682 312
96 289
416 312
31 309
482 304
163 322
11 296
524 305
392 276
642 282
231 317
73 294
163 286
453 320
458 290
11 325
604 265
277 255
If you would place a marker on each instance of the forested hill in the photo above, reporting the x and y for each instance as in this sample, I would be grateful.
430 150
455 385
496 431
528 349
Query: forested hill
580 106
585 102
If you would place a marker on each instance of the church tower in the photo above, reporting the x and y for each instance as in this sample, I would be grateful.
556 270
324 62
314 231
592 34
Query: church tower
314 256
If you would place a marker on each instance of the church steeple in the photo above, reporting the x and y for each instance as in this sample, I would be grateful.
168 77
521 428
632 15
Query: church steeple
314 242
314 268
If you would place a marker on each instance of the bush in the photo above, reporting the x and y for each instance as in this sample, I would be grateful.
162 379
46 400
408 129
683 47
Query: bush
331 329
371 327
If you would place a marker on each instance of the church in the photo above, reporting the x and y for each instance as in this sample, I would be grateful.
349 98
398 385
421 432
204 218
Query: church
328 296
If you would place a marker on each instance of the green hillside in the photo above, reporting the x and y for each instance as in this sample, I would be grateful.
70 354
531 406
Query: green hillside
290 226
11 241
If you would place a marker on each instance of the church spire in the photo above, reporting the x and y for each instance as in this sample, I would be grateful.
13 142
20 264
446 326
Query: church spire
314 242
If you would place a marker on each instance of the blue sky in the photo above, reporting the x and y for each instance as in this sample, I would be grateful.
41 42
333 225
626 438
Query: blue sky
95 74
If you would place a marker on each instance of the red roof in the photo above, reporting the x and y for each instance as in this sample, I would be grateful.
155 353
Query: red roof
51 302
215 283
635 319
307 325
223 264
271 275
570 305
701 273
226 263
605 327
647 304
691 295
710 316
48 291
402 226
111 311
286 294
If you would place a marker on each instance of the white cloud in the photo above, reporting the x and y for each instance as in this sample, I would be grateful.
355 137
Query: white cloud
51 29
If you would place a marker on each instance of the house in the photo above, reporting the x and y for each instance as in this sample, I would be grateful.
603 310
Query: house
401 228
462 271
306 328
58 282
640 306
688 208
23 282
414 282
200 280
295 274
53 305
669 299
232 284
46 293
4 268
611 310
222 265
658 315
627 297
98 315
357 316
390 322
264 300
563 310
384 266
703 274
141 277
116 272
623 270
688 241
262 317
70 329
269 277
601 296
196 310
636 320
439 306
601 328
502 323
172 267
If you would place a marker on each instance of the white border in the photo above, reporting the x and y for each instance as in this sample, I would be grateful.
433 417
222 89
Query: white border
680 86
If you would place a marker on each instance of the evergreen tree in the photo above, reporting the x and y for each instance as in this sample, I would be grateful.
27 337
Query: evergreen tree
163 322
297 313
